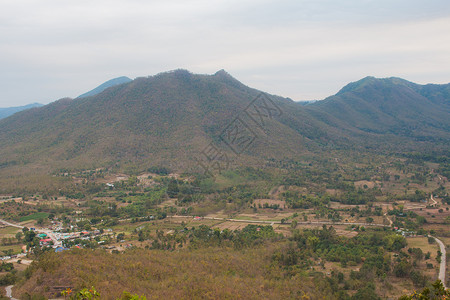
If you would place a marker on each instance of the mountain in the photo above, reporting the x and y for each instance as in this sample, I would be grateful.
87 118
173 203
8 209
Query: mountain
184 121
104 86
167 118
6 112
389 106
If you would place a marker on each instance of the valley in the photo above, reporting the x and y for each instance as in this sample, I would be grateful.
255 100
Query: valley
181 185
160 212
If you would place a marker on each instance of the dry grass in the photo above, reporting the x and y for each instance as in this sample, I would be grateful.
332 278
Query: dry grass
261 202
8 231
428 213
422 243
16 248
369 184
212 273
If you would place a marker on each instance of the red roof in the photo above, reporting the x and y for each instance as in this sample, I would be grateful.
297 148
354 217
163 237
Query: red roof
46 240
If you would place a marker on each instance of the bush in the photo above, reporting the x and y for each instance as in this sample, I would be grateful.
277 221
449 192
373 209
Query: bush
436 291
418 278
8 279
366 293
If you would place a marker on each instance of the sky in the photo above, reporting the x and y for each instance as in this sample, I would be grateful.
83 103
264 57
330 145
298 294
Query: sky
301 49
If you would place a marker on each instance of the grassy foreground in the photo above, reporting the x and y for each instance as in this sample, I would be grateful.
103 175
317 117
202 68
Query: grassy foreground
207 273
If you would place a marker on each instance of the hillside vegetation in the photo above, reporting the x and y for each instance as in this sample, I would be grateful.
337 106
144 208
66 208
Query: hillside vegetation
171 118
8 111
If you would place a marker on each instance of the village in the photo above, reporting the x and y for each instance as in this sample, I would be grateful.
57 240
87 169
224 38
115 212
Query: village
117 212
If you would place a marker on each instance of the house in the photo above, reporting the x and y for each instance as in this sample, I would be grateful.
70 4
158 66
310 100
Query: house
45 241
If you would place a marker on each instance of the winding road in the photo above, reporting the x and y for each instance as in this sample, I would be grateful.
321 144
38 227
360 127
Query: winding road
442 267
443 264
432 199
49 233
443 261
389 219
8 289
9 292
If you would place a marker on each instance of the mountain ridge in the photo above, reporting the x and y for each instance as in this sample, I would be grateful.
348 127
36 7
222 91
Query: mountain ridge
105 85
170 118
389 105
8 111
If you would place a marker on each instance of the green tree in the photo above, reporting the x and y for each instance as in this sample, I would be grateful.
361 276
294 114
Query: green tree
366 293
294 224
436 291
29 236
172 188
120 236
19 236
128 296
84 294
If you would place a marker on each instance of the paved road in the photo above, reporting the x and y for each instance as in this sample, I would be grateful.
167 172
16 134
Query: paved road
443 265
46 231
11 224
50 234
442 268
287 222
9 292
8 289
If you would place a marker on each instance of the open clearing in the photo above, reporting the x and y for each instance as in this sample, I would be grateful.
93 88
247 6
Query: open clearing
270 202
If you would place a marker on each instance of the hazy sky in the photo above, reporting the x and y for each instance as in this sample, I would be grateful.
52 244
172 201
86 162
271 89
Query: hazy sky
51 49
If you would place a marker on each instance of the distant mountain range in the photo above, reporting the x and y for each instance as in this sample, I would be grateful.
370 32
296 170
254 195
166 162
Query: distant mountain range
390 106
183 120
104 86
8 111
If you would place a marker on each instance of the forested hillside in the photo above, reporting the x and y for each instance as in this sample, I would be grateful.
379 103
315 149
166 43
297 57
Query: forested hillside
172 117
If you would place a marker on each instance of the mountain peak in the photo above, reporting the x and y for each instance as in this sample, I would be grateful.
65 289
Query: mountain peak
226 77
222 72
171 117
374 81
